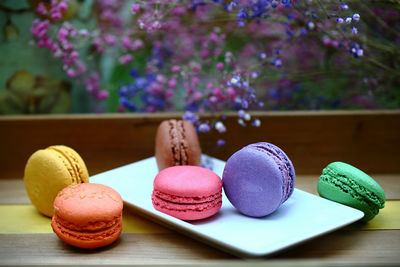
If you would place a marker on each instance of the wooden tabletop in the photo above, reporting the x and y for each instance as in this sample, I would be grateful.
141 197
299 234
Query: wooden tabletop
375 243
26 236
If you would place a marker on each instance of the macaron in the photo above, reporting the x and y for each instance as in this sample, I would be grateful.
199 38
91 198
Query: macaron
88 215
50 170
187 192
258 179
345 184
177 143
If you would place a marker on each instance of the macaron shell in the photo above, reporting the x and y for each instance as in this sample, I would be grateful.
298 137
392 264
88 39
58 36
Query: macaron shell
343 183
87 240
284 163
252 182
331 192
360 178
75 160
46 173
188 181
163 147
187 192
88 215
88 205
177 144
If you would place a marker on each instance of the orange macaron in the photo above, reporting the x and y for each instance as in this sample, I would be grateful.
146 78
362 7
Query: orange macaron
88 215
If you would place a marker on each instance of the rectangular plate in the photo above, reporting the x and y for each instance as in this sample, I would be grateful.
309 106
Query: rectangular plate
302 217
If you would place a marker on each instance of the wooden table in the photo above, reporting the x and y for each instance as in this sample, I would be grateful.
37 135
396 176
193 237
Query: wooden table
368 140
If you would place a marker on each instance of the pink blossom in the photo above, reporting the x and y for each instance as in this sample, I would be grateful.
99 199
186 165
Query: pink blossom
197 68
71 73
81 67
135 8
213 99
109 39
195 81
217 92
125 59
41 9
197 96
169 93
175 69
179 10
172 83
126 42
205 53
214 37
63 6
74 55
55 14
102 95
62 34
231 92
137 44
39 28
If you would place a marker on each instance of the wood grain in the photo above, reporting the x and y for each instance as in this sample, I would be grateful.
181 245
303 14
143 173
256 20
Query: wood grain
343 244
129 249
368 140
339 247
13 192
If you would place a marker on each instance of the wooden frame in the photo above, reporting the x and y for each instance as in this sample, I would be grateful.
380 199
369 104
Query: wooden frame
369 140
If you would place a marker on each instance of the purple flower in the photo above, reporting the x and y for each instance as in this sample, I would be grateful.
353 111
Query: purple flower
204 127
221 142
191 117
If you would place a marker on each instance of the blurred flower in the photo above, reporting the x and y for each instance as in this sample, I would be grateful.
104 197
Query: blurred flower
242 55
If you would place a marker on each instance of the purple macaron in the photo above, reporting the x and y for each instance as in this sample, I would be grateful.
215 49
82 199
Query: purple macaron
258 178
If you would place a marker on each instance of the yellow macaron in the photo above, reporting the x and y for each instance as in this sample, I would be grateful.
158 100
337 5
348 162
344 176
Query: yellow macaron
50 170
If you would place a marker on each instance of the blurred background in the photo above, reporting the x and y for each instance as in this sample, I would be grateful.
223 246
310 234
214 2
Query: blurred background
105 56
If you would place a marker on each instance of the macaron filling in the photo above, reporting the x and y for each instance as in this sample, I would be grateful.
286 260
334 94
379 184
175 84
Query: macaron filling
178 142
186 206
87 235
284 167
357 191
186 200
89 227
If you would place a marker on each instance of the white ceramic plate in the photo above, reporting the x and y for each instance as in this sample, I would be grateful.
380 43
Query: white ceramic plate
302 217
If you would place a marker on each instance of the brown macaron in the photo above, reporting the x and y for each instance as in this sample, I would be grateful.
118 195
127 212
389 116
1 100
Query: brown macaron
177 144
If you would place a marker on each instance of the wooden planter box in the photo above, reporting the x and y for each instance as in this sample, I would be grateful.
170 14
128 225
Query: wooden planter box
369 140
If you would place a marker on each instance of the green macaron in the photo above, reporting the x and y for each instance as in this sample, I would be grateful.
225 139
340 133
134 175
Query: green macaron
343 183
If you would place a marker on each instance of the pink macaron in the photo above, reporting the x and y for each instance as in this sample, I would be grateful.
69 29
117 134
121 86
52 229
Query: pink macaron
187 192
